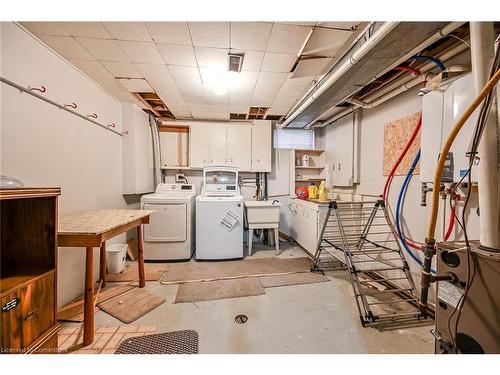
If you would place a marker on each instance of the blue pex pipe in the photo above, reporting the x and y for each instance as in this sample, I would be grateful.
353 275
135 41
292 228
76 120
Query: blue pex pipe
431 59
401 196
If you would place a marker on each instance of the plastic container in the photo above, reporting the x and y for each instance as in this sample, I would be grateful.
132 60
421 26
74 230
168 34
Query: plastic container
115 257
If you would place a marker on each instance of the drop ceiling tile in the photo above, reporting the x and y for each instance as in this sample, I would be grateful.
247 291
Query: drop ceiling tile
119 69
210 34
170 96
211 57
182 114
179 107
141 52
240 100
136 85
239 108
326 42
274 110
185 73
67 47
45 28
219 108
177 54
197 107
202 115
287 38
250 36
299 23
311 67
196 100
134 31
219 116
252 60
102 49
268 86
169 32
156 74
243 84
86 29
278 62
284 100
213 99
292 81
97 73
191 89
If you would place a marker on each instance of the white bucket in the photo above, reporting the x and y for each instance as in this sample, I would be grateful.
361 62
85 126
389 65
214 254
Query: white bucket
115 257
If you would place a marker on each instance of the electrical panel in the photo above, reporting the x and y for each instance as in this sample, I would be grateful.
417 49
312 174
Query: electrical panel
441 109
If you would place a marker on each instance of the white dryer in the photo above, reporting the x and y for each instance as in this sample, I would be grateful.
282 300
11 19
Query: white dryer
170 234
219 215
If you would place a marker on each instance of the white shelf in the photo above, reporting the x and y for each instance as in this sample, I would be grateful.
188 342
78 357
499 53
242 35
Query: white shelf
310 151
310 167
173 168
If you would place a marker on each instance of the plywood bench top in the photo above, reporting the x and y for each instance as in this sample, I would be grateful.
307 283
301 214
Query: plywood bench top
97 222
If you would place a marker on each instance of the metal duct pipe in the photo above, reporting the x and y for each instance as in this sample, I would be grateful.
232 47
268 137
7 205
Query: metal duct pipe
385 29
482 52
426 43
156 150
397 87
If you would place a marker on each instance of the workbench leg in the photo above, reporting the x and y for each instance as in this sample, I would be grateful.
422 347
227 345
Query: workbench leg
140 257
88 309
102 265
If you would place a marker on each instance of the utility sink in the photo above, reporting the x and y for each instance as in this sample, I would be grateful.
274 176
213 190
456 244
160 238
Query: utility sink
263 212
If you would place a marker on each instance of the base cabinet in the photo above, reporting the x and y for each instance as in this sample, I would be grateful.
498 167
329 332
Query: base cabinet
306 220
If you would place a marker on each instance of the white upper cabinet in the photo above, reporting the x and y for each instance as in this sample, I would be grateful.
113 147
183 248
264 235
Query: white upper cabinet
243 145
239 147
198 148
261 146
217 145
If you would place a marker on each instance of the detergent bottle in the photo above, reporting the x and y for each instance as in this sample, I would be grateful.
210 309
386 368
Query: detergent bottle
323 192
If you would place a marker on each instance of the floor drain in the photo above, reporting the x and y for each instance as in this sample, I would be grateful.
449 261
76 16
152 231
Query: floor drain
240 319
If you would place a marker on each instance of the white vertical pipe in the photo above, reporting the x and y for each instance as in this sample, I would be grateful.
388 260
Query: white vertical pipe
482 51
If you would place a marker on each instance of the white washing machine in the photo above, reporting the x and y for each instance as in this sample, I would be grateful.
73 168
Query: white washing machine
170 234
219 215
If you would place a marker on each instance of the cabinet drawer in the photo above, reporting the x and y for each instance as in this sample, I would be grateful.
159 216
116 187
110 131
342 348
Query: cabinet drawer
32 313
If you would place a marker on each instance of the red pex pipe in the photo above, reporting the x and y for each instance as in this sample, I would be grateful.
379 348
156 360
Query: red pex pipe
405 150
408 69
450 224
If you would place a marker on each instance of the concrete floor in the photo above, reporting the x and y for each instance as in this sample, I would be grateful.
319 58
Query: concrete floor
313 318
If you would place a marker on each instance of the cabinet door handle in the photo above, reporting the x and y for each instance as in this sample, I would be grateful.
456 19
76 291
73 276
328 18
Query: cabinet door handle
211 160
258 160
31 314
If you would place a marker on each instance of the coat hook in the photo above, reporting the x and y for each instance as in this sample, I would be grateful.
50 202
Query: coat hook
42 89
125 132
94 115
112 125
72 105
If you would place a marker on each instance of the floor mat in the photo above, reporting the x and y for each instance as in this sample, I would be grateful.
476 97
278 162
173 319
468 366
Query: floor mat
131 305
177 342
293 279
207 271
220 289
152 272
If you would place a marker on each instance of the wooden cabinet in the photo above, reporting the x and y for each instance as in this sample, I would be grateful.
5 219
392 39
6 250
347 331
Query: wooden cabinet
239 147
261 146
28 285
306 220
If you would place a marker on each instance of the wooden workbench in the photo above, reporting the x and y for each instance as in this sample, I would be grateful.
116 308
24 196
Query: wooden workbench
91 229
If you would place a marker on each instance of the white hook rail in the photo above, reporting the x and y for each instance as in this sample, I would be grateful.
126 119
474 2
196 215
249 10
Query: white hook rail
67 108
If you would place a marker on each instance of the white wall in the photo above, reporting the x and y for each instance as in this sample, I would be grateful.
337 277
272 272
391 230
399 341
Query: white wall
371 169
44 146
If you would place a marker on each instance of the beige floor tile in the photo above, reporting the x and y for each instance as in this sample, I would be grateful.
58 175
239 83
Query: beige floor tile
114 341
68 330
106 329
108 351
132 334
102 341
127 328
147 329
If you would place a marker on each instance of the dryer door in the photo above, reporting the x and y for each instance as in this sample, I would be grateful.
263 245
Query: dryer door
167 224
